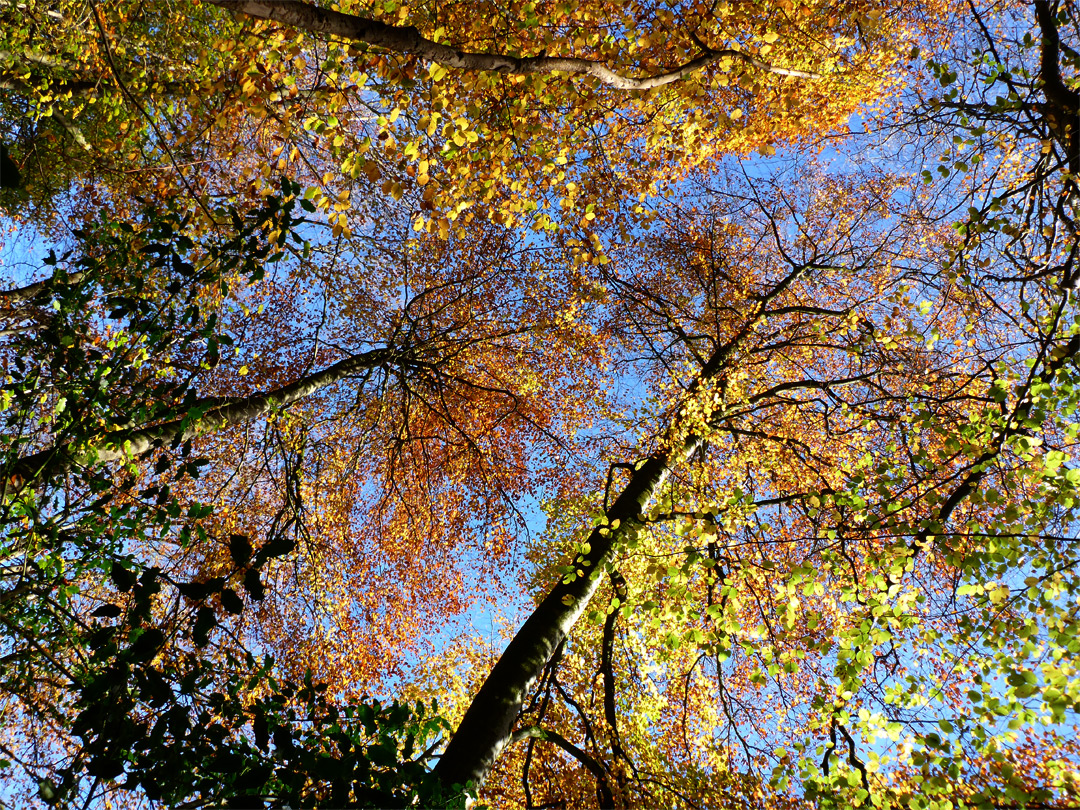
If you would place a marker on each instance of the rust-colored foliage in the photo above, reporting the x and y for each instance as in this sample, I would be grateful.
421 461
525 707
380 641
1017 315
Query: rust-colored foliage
759 430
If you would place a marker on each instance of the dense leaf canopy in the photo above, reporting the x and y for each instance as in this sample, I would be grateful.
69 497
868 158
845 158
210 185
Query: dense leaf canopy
554 404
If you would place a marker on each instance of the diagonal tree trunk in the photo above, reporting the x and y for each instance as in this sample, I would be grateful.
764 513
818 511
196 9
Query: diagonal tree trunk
485 729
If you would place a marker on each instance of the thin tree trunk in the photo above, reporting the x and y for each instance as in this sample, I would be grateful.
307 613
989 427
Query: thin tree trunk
485 729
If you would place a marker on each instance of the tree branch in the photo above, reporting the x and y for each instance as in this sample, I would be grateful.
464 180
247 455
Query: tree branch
132 443
1063 105
595 768
408 40
18 295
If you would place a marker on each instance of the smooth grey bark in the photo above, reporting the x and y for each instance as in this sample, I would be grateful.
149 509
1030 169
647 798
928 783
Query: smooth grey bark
134 442
407 39
485 730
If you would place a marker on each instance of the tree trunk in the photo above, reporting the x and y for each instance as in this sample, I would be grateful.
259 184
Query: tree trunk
485 730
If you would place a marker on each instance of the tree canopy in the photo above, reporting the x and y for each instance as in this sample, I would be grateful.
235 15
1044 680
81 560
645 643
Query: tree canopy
553 404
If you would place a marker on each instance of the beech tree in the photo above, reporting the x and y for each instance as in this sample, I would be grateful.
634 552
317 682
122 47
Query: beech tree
797 404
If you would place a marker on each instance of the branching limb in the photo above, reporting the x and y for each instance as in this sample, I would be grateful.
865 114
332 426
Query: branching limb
1063 106
407 39
853 758
594 767
132 443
